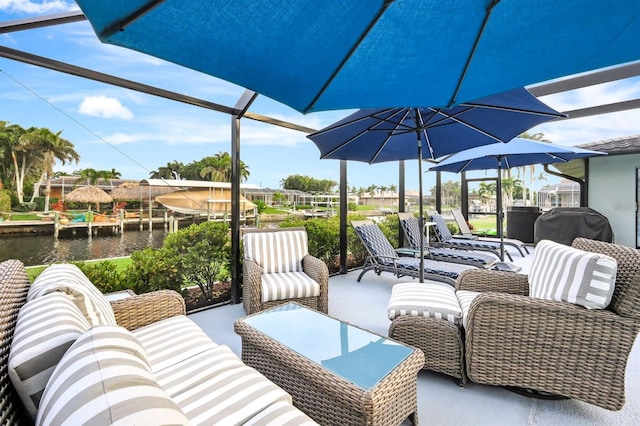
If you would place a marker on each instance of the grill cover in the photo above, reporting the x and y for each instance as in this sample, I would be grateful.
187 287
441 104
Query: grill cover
564 224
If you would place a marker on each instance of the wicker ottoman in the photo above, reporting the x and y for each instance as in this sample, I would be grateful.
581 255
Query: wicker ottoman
429 317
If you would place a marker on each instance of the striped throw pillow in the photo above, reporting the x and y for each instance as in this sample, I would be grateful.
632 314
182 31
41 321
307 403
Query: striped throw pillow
567 274
280 251
105 379
69 279
426 300
46 328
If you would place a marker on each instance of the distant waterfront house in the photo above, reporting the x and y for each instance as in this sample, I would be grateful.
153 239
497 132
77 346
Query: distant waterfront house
388 200
565 193
65 184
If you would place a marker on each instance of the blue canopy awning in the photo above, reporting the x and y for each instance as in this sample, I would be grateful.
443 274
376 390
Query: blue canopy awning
338 54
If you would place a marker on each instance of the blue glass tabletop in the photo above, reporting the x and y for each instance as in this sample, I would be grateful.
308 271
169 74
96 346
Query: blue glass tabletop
354 354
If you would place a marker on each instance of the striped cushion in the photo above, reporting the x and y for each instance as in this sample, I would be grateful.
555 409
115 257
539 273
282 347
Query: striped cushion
46 328
567 274
290 285
216 387
376 241
280 413
280 251
68 278
171 341
465 297
441 229
427 300
105 379
411 227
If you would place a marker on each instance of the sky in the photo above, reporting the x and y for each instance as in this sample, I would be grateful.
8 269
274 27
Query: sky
136 133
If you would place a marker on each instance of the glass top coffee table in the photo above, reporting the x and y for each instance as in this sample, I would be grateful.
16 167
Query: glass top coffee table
337 373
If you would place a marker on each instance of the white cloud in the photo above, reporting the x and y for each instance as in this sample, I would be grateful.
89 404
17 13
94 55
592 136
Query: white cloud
102 106
37 7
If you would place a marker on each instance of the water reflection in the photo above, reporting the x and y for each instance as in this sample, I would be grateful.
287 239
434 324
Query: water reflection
45 249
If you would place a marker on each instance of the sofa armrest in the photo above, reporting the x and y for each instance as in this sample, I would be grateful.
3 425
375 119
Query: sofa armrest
549 346
251 291
319 272
483 280
143 309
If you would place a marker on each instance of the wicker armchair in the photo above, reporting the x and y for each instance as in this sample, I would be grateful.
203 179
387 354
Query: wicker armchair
277 269
553 347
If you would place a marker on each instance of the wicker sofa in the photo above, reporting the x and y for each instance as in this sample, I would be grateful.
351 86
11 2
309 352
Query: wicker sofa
493 330
69 356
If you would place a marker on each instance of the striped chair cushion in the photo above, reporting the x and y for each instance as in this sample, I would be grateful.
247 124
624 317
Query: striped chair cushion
441 229
289 285
171 341
567 274
411 228
280 251
105 379
216 387
280 413
46 328
465 297
376 242
69 279
427 300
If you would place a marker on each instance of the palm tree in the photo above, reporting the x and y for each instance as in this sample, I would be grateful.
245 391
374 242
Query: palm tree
172 170
52 148
218 168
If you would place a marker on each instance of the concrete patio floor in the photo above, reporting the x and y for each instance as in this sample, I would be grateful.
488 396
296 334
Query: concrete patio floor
440 400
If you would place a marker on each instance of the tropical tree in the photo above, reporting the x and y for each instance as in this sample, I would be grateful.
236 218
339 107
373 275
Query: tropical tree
93 176
52 147
172 170
19 155
308 184
528 189
218 168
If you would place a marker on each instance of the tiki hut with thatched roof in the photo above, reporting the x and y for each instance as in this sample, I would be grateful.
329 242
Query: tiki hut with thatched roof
132 191
89 194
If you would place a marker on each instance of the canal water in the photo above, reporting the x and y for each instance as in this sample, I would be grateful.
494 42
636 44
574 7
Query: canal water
46 249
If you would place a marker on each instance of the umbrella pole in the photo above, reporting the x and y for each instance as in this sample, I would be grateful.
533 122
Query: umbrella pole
421 207
499 208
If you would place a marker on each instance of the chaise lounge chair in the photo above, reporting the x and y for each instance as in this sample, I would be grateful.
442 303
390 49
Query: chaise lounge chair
383 258
411 228
466 233
447 240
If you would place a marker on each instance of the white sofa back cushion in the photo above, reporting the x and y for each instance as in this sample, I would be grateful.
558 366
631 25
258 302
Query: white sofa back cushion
105 379
69 279
46 328
278 251
567 274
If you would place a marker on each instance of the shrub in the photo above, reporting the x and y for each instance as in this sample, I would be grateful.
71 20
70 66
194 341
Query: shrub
25 207
104 275
203 253
5 201
261 205
153 269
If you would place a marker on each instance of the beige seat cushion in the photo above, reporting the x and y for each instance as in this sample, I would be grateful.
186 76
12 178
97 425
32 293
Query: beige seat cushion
288 285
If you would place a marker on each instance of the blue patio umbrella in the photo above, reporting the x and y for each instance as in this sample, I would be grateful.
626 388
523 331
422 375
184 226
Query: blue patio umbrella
392 134
516 153
375 53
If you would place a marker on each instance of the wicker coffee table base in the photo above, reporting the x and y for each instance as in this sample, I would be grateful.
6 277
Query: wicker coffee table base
327 398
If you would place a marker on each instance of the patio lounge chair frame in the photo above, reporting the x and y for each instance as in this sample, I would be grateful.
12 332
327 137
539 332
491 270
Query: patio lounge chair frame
447 240
411 228
466 233
383 258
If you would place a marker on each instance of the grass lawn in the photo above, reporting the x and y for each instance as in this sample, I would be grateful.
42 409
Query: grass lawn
121 264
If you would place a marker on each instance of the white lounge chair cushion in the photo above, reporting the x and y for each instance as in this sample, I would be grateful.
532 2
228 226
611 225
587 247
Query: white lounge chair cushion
280 251
69 279
45 329
426 300
567 274
289 285
465 297
105 378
